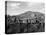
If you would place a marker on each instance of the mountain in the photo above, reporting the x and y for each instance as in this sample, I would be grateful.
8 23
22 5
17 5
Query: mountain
30 14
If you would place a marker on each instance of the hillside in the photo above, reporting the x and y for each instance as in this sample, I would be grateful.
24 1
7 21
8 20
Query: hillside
30 14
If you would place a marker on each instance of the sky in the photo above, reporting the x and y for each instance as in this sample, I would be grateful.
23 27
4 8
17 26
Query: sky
19 7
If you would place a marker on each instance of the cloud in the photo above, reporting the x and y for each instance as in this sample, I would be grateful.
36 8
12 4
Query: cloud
14 4
18 8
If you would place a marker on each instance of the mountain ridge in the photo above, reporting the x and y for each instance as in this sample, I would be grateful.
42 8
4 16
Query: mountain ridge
29 14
